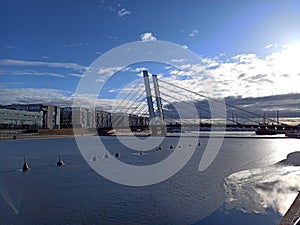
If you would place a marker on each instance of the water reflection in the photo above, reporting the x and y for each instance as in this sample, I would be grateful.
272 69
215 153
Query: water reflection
257 190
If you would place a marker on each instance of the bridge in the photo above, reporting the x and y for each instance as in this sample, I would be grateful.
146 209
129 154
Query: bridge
160 100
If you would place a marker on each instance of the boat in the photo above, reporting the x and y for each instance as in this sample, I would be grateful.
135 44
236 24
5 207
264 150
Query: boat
95 158
60 162
25 165
269 131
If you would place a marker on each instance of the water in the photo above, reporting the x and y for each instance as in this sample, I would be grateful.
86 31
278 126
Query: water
242 186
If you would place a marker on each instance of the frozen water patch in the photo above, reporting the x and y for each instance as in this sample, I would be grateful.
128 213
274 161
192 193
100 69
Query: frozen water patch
273 187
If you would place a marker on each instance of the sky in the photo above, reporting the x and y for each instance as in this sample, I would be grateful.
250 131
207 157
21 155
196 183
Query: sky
251 48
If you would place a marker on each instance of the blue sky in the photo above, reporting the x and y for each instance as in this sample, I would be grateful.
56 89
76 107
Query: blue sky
45 46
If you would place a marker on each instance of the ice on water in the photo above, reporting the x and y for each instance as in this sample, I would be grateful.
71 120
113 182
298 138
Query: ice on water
257 190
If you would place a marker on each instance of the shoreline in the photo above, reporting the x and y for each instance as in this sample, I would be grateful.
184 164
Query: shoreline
29 137
59 136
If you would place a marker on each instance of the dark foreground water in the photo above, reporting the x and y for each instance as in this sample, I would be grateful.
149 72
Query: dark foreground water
242 186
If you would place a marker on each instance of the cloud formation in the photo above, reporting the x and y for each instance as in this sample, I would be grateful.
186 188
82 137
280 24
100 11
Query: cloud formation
15 62
65 98
123 12
148 36
244 75
194 33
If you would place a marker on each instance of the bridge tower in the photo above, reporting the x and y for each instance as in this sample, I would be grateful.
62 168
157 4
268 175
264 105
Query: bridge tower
158 98
157 125
148 95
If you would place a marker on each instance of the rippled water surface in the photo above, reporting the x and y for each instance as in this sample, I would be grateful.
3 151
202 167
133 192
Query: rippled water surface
242 186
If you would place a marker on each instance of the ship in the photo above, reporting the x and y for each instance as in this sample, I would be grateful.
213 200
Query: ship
269 131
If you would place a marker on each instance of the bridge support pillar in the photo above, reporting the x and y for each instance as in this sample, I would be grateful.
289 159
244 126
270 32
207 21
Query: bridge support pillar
156 124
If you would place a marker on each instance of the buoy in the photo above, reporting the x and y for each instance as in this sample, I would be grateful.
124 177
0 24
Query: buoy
25 165
95 158
60 162
106 155
171 146
141 153
159 148
117 154
199 144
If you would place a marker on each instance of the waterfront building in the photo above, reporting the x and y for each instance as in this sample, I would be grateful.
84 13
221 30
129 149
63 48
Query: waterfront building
77 117
16 119
54 117
50 114
125 120
103 119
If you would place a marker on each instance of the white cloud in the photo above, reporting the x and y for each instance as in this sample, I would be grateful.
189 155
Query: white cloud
272 46
35 95
179 60
244 75
138 69
194 33
185 46
60 98
14 62
147 37
248 75
108 71
105 72
190 70
269 46
37 73
123 12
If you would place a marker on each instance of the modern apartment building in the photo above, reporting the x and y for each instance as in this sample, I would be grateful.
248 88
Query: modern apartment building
50 114
77 117
15 119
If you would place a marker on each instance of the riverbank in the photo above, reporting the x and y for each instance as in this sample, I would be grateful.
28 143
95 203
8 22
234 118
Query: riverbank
46 133
69 133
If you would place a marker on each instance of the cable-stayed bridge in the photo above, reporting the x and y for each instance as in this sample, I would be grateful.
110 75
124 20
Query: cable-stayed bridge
170 107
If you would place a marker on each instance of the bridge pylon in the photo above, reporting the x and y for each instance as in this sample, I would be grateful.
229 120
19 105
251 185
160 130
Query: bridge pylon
156 124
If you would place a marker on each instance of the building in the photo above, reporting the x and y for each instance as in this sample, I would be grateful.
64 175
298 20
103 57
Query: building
16 119
66 117
125 120
50 114
102 119
54 117
77 117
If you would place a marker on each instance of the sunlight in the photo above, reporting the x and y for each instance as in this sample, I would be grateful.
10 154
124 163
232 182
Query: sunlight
286 68
289 59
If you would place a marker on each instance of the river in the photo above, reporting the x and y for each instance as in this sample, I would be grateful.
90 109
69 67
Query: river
243 185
